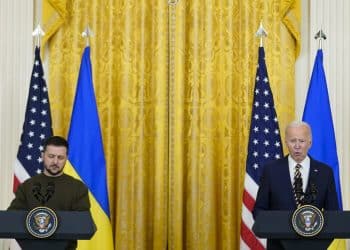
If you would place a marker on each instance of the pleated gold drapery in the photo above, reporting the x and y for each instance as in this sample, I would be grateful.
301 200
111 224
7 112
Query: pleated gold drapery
174 86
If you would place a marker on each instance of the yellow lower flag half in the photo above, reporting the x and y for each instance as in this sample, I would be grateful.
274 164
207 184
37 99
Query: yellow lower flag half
103 238
338 244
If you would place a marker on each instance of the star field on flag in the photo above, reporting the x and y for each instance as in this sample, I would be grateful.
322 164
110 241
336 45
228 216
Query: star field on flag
36 127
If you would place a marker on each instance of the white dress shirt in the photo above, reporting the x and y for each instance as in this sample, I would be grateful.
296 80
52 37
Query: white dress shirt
304 170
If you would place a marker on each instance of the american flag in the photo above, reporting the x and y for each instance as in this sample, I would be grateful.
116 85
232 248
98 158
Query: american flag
264 145
36 127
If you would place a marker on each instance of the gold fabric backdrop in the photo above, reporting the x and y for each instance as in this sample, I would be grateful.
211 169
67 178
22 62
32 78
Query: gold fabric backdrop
174 87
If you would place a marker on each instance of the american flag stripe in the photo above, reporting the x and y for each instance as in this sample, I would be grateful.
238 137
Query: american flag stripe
254 243
36 127
250 187
20 173
243 246
247 217
248 201
248 234
264 145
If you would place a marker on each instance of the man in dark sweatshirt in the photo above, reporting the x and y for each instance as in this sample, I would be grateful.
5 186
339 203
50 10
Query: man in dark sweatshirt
53 188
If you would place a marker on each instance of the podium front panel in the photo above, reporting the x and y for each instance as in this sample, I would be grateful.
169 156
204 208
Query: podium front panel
71 225
277 225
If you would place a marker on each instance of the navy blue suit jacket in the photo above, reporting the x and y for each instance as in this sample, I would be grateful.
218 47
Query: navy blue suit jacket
276 190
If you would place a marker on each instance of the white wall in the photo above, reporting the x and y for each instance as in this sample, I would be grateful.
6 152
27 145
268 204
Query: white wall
16 53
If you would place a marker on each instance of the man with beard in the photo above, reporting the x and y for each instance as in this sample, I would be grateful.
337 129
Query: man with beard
52 188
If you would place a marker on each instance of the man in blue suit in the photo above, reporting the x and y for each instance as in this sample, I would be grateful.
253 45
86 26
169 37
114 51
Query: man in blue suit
276 190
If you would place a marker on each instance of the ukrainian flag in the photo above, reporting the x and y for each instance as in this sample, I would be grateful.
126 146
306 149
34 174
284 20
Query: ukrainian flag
86 159
317 113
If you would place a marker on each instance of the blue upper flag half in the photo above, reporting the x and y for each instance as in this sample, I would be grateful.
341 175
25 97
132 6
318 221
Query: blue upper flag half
86 152
318 114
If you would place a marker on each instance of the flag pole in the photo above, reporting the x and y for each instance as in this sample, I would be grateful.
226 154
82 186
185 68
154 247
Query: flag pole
37 34
261 33
87 33
320 35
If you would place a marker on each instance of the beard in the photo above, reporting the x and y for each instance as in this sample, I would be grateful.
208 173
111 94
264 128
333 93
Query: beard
52 172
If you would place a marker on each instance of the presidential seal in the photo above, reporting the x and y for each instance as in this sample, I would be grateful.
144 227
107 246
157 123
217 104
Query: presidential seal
307 221
41 222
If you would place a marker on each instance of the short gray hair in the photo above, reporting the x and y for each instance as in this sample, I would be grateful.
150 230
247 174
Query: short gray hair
296 124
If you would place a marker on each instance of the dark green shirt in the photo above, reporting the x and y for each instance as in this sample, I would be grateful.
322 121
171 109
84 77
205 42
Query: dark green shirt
67 193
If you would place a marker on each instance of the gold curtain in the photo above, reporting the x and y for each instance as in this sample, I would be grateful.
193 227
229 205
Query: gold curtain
173 83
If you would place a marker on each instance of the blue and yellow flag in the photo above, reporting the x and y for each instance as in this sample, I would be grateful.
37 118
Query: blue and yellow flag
317 113
86 160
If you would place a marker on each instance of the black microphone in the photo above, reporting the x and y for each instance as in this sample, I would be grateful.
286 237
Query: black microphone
37 193
311 196
50 190
313 191
298 189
